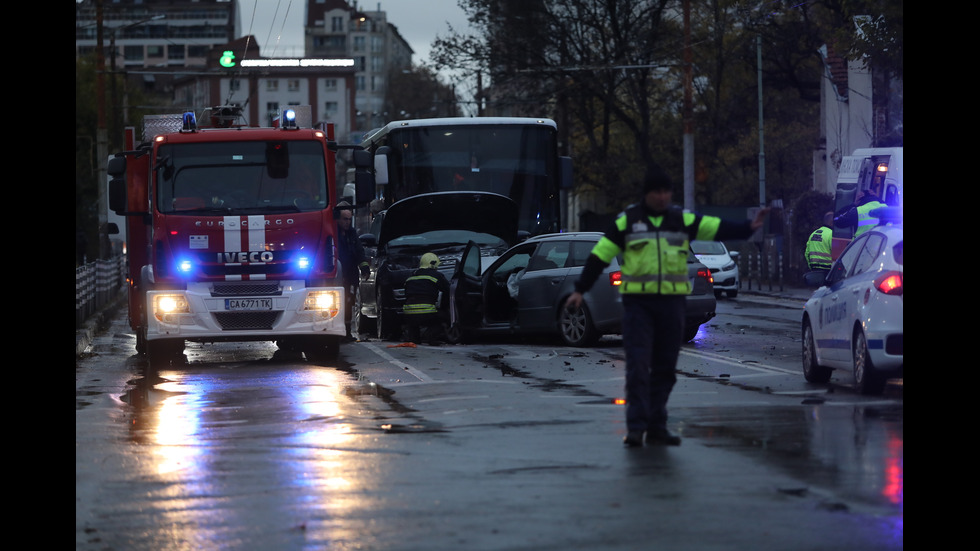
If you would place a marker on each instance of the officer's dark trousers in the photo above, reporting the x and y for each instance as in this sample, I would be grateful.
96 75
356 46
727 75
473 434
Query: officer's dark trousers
653 326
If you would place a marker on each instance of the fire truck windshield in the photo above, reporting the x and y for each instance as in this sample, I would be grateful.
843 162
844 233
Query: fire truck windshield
245 177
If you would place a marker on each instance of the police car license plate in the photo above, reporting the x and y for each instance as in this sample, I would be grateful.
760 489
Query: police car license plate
248 304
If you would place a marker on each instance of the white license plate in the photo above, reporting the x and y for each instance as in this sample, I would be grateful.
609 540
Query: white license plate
248 304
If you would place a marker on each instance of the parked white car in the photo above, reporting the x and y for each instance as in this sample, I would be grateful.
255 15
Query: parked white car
854 321
722 263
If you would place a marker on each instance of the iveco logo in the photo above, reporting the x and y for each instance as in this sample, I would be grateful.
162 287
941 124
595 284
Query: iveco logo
244 223
245 257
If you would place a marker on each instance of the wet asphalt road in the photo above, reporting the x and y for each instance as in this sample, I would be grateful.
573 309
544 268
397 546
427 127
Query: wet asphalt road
487 446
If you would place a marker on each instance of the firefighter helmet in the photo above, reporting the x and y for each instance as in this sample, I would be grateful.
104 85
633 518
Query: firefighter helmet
429 260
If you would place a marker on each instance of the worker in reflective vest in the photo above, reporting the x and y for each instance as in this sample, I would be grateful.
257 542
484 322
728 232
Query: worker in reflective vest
423 316
818 245
653 237
858 215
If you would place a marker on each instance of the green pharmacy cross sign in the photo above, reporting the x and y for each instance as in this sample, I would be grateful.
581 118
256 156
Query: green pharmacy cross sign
227 59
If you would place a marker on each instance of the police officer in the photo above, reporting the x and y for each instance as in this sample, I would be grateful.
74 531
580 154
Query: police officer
818 245
423 316
859 214
653 237
352 259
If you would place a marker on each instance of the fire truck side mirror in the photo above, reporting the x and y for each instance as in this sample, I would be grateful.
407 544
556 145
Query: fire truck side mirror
364 182
116 168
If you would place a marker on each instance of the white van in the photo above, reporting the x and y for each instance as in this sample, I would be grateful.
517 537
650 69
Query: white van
878 169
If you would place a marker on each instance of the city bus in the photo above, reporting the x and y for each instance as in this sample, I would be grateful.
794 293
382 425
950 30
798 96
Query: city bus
511 156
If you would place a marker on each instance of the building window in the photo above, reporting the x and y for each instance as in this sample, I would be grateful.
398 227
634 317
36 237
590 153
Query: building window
175 51
154 51
359 83
359 42
235 85
272 85
330 84
293 84
197 51
330 109
359 63
337 24
133 53
377 63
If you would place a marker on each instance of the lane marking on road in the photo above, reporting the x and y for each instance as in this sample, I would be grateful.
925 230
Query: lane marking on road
396 362
754 366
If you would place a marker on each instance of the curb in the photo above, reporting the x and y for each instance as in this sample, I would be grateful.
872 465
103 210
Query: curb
95 324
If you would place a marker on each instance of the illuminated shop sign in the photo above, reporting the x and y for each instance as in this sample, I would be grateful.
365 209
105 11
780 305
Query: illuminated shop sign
228 60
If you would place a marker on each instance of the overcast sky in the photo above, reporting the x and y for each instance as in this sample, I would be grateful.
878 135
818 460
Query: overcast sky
278 24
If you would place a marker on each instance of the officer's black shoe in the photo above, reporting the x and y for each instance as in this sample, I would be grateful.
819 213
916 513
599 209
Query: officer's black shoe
633 439
662 438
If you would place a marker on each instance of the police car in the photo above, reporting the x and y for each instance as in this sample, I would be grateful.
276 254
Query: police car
854 320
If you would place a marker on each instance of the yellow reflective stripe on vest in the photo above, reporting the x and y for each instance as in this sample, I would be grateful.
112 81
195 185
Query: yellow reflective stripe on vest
419 309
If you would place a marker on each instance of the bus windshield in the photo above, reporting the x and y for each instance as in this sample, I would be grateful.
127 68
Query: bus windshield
241 177
517 161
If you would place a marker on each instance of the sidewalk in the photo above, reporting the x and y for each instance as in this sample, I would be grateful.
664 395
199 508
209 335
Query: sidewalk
96 323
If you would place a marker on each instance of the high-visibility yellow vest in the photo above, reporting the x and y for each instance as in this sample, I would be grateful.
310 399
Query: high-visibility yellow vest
818 249
656 249
865 220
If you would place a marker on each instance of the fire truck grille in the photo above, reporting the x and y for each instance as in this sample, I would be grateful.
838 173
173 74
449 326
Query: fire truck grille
246 289
246 321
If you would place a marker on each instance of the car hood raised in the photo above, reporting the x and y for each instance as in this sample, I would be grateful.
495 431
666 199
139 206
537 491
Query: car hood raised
472 210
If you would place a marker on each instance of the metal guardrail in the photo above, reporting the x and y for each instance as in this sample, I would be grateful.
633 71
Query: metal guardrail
766 267
96 285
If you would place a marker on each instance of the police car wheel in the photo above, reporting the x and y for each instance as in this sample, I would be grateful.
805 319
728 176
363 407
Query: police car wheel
811 371
867 379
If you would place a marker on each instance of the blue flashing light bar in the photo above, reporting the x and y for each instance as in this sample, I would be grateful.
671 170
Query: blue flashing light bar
189 122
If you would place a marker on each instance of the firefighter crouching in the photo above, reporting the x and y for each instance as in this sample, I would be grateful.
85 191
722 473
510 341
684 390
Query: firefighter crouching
424 319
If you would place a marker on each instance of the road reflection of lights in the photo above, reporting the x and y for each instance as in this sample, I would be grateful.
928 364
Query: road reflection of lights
177 431
894 488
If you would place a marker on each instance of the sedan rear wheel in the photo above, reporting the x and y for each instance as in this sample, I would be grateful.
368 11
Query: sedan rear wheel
576 327
868 380
811 371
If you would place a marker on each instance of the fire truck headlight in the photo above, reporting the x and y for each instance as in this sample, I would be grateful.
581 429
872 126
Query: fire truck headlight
303 263
325 302
165 306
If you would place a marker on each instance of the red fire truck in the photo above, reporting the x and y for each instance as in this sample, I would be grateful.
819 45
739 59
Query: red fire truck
231 233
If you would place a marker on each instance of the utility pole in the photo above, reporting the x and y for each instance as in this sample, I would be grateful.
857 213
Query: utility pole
762 146
101 136
688 112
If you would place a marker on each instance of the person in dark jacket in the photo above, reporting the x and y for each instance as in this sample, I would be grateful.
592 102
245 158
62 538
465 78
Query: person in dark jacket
353 262
423 315
654 238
